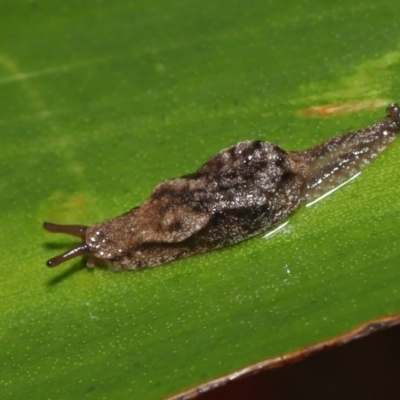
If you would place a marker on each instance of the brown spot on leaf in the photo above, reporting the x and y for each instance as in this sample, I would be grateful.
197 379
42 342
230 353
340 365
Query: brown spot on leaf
330 110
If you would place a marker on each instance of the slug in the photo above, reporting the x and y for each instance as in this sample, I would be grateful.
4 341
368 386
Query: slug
240 192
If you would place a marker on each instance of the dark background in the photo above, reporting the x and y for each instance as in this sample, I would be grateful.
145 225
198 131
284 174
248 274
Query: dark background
366 368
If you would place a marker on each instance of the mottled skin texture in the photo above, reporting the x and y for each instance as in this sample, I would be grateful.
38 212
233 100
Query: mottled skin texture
235 195
240 192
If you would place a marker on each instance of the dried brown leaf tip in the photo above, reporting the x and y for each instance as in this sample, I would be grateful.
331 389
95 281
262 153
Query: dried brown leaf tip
239 193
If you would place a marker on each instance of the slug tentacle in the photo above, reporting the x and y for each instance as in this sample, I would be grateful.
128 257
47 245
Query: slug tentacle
80 249
240 192
73 230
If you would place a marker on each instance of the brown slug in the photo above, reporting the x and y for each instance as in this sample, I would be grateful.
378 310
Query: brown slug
242 191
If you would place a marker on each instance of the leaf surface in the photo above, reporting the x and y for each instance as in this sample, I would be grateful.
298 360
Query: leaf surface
99 101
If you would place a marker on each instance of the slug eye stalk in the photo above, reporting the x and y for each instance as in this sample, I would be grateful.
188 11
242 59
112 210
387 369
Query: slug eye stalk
80 249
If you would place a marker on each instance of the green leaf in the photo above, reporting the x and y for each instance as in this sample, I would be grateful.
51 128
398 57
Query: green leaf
99 101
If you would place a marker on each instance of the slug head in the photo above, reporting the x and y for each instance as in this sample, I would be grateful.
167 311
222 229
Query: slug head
81 249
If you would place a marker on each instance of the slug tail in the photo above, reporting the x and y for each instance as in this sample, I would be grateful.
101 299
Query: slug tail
393 112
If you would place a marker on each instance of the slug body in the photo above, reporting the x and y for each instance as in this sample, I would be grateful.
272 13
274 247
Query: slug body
242 191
